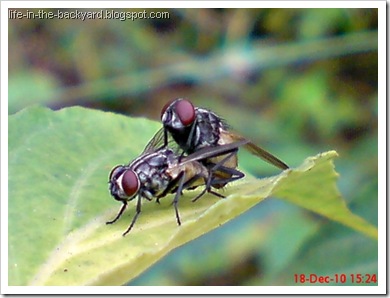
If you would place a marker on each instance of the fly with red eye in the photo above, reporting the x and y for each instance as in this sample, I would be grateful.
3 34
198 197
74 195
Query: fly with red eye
194 128
158 172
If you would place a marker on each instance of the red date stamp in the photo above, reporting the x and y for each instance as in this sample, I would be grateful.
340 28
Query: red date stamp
355 278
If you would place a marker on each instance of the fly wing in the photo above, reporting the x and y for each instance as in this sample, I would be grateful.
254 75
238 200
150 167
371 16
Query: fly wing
210 152
260 152
157 143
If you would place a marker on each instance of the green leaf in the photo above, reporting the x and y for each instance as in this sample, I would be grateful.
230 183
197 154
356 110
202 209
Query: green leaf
59 201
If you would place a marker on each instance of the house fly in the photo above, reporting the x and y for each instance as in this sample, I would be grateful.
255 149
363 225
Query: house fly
194 128
160 171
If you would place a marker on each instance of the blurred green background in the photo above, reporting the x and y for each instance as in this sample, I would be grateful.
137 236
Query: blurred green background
295 81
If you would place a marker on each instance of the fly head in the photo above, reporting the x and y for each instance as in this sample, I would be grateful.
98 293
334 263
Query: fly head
124 183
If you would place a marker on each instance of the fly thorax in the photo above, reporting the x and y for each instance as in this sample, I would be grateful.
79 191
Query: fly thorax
155 182
152 174
208 127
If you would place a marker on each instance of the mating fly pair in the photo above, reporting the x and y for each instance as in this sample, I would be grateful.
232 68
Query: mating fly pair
161 171
211 158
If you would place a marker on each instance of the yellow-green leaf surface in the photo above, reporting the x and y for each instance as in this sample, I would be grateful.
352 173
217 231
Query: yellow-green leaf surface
59 202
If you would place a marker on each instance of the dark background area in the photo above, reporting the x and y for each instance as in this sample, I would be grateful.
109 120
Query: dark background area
295 81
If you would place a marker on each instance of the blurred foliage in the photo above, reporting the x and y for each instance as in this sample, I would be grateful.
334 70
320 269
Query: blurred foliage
295 81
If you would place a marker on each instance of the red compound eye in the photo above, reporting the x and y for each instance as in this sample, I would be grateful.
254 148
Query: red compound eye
130 183
166 107
185 111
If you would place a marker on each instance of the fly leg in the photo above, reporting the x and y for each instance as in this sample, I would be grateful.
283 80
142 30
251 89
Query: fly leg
233 173
171 188
179 190
138 211
176 185
123 208
207 189
210 181
165 140
189 140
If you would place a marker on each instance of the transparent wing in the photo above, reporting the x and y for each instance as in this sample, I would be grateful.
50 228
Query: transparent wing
157 142
260 152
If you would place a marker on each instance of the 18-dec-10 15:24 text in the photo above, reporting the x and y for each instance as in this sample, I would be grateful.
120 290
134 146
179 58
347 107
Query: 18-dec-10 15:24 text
354 278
